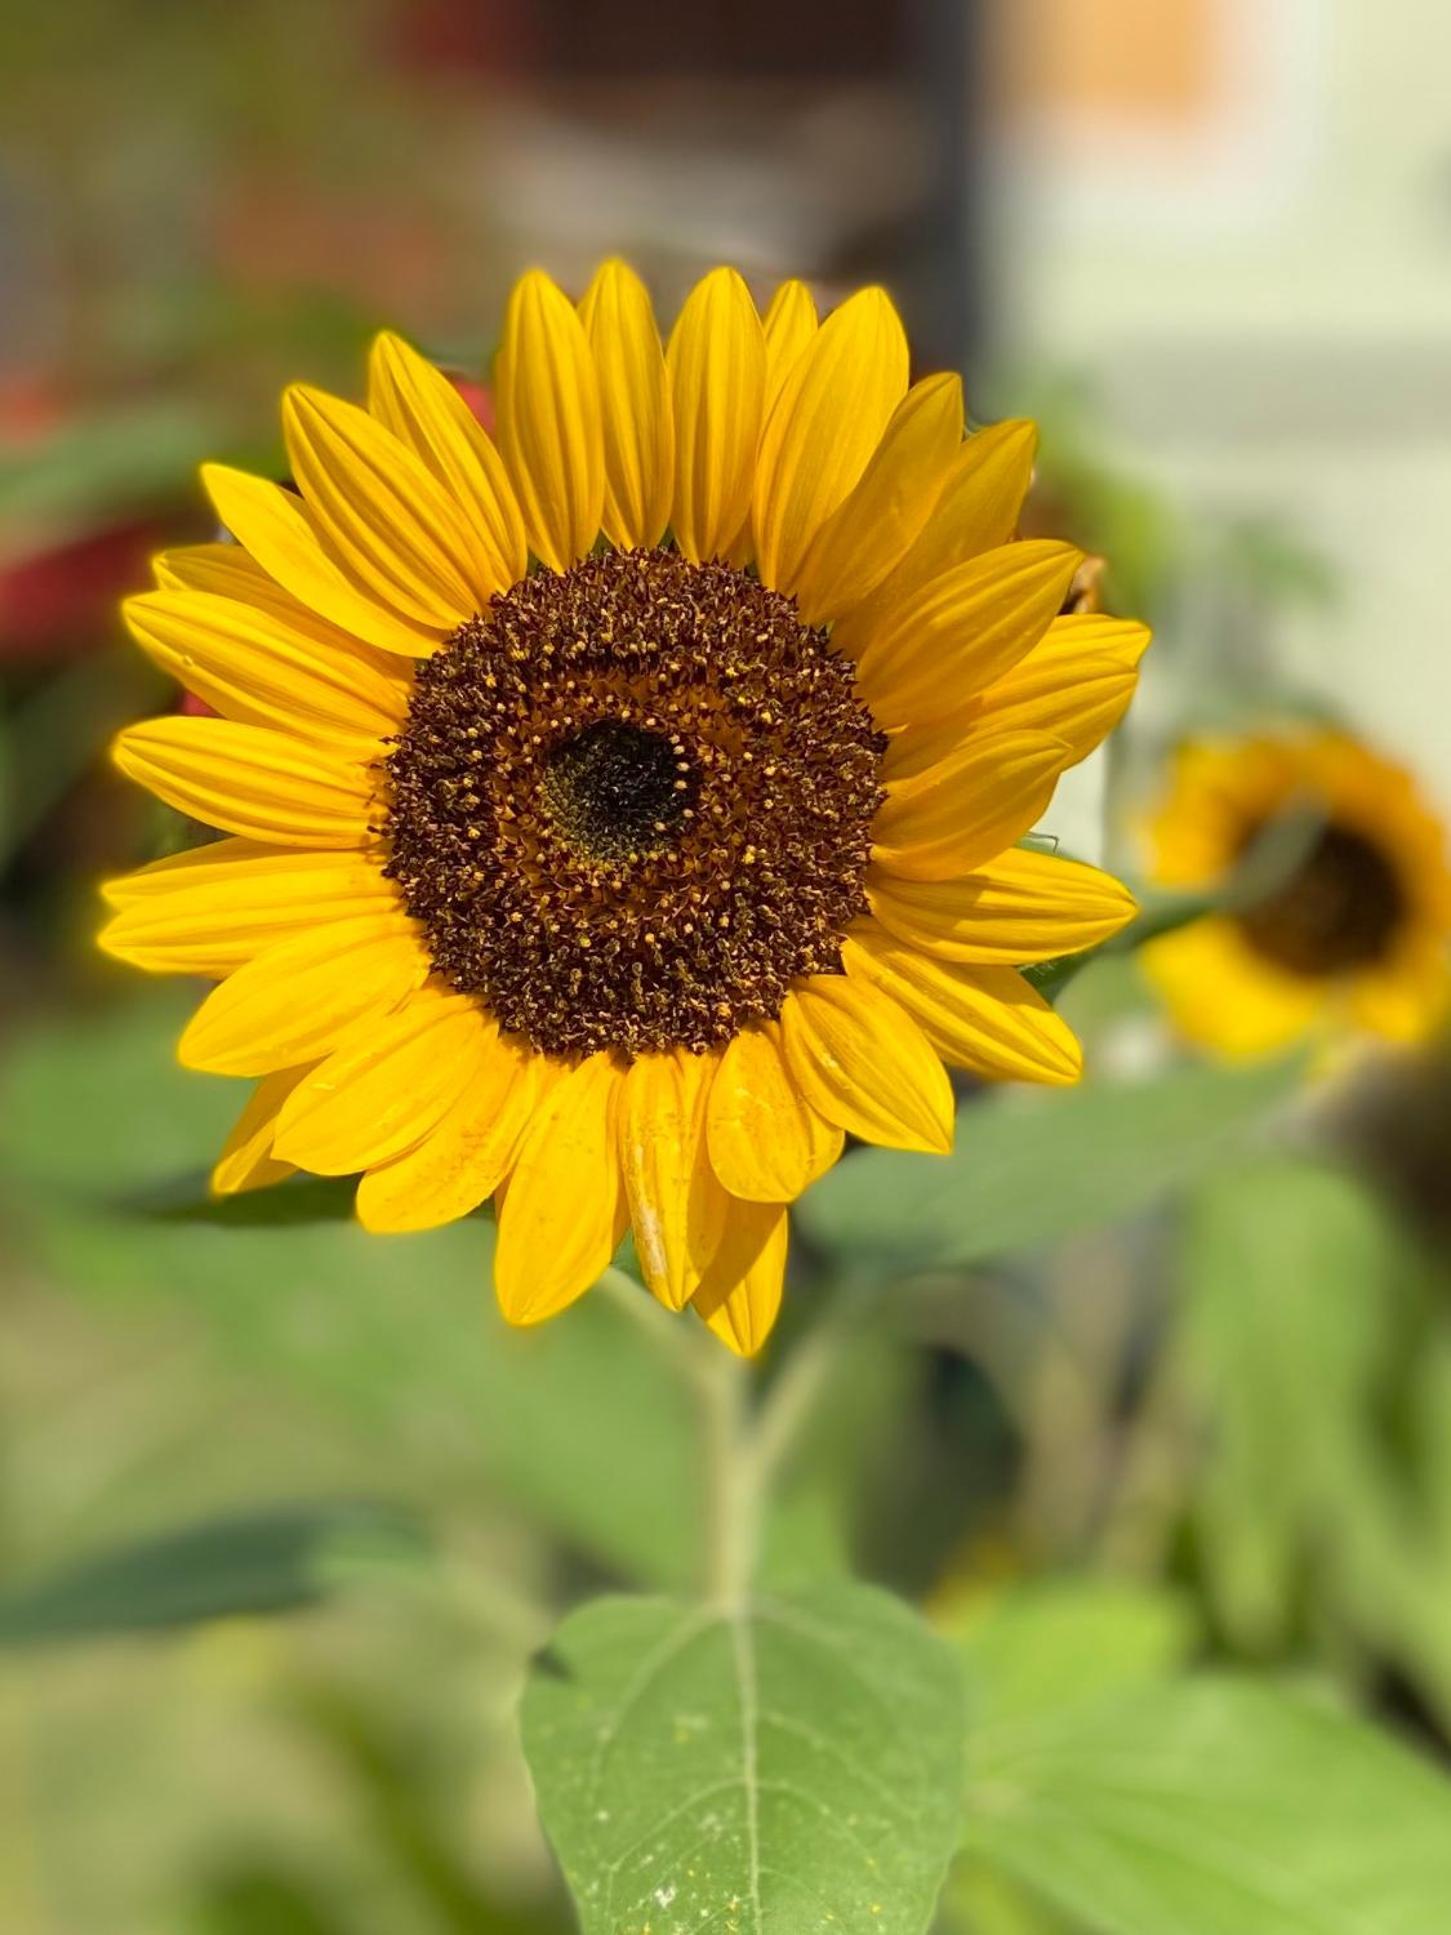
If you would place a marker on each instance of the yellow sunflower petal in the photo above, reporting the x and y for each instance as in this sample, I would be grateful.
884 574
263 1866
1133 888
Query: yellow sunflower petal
717 366
977 510
868 535
247 1161
827 421
741 1295
422 409
984 1019
788 327
292 1002
547 397
211 909
677 1207
273 526
1077 682
386 1083
951 818
382 516
227 571
250 666
962 631
245 779
467 1154
561 1216
1021 906
863 1063
766 1141
639 428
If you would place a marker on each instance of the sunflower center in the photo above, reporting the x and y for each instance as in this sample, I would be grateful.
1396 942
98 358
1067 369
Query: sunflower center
1340 909
632 802
615 790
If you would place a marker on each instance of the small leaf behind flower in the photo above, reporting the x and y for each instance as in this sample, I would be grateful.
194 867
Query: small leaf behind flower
1030 1170
792 1767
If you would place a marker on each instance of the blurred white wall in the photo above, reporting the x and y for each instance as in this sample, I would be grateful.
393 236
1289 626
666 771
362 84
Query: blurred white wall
1235 217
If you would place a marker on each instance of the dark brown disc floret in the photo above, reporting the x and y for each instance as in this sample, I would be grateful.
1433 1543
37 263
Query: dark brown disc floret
1342 908
632 802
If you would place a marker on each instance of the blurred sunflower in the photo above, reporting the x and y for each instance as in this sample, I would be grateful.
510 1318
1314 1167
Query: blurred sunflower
1353 937
622 813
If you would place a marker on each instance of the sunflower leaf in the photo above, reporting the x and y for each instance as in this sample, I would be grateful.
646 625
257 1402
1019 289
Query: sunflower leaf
797 1765
1030 1170
1213 1806
248 1563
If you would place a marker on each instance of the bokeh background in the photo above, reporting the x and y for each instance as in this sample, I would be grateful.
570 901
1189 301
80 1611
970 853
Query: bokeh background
1208 244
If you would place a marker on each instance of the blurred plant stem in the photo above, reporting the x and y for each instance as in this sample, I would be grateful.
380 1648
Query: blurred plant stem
745 1446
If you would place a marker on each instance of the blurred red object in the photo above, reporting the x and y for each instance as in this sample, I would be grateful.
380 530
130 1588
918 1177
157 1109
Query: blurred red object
64 599
478 396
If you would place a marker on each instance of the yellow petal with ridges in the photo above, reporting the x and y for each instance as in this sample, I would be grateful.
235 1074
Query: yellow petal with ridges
823 428
963 630
226 571
265 785
717 366
547 400
211 909
741 1296
951 818
1077 683
984 1019
863 1063
677 1207
639 427
273 526
788 327
418 405
869 534
380 514
561 1216
249 665
292 1002
766 1141
247 1161
386 1083
468 1153
977 510
1022 906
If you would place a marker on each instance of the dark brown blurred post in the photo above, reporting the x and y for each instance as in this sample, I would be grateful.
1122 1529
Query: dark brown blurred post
837 139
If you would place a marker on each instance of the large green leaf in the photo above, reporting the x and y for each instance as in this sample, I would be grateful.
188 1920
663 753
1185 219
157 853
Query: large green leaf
794 1767
256 1562
1215 1807
1029 1169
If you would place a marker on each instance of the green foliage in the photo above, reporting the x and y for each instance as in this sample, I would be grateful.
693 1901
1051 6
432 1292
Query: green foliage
794 1766
257 1562
1042 1646
1293 1277
1214 1806
1031 1169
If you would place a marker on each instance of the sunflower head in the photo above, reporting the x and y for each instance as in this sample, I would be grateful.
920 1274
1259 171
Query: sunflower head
1352 933
620 813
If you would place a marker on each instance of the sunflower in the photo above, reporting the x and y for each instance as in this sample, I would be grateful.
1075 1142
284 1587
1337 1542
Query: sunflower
621 813
1353 938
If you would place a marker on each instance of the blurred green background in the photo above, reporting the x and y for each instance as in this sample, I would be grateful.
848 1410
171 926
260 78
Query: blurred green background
1166 1362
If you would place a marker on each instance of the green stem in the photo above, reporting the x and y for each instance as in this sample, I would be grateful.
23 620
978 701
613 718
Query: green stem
733 1502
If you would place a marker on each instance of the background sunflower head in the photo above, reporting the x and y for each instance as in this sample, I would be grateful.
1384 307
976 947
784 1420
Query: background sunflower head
620 814
1349 931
